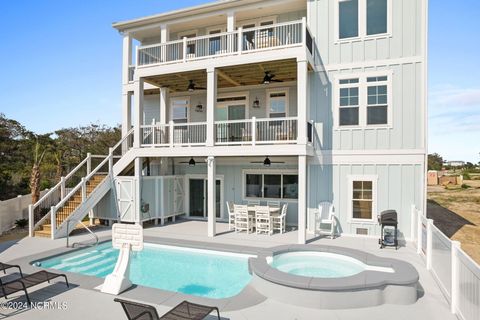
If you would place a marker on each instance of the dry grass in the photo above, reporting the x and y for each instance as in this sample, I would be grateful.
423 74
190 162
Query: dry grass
456 212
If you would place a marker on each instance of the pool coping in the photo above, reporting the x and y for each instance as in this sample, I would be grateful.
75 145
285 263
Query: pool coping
404 274
246 298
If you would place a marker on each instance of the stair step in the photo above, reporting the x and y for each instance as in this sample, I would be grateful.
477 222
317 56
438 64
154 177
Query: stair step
42 234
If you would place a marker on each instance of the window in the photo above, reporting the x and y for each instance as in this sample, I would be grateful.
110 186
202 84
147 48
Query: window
363 197
363 101
348 19
349 102
271 185
362 18
277 104
377 11
179 109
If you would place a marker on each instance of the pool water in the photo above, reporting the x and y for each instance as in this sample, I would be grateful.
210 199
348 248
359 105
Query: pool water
203 273
317 264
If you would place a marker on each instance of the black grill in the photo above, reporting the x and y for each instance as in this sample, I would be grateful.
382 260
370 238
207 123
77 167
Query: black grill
388 219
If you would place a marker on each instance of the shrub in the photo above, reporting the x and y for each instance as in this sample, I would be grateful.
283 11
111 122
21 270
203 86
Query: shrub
465 186
466 176
21 223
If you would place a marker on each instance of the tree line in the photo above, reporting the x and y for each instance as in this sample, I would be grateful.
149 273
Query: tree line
31 162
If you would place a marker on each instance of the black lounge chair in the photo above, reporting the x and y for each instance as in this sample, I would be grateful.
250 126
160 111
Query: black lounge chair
5 266
28 281
184 311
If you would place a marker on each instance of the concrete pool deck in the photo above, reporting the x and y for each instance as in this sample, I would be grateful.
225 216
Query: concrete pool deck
84 303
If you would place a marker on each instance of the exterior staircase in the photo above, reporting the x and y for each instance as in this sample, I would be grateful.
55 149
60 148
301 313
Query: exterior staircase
45 230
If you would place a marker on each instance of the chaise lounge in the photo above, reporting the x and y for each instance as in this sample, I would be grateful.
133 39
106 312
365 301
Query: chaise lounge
4 267
26 282
184 311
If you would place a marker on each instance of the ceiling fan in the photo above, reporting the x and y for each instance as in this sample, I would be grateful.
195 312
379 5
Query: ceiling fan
191 162
267 162
269 78
192 86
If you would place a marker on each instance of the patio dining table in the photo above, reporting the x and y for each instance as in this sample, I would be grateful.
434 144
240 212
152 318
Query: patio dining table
274 211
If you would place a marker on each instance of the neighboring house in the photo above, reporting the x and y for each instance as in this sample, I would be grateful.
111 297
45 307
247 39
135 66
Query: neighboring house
290 100
457 164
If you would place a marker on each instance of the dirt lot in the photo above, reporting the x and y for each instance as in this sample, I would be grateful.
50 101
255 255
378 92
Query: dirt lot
456 211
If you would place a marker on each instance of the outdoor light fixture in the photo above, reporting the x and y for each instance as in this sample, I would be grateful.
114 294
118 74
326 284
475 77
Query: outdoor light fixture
256 103
267 162
191 163
199 107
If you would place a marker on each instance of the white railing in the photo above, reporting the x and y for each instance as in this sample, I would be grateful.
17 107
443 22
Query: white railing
228 43
457 274
174 134
256 131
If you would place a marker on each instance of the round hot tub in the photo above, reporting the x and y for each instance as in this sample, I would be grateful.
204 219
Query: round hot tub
332 278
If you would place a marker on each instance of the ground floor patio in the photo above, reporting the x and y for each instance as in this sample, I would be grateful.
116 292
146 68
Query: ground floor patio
82 301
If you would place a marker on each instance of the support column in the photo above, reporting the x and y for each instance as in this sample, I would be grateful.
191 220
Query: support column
302 199
138 104
230 21
302 94
211 189
126 113
138 188
163 105
164 38
127 57
211 101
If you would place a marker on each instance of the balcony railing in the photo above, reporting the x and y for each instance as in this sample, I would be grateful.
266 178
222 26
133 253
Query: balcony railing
174 134
242 41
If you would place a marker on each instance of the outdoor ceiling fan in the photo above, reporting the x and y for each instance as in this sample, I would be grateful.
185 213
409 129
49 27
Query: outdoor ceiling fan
192 86
269 78
267 162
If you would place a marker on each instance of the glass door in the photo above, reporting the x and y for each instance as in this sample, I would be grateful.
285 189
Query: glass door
236 131
197 198
218 200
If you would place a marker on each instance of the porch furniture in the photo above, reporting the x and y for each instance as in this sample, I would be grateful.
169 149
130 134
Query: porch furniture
253 203
275 204
231 215
183 311
5 266
325 217
279 220
388 221
243 221
28 281
263 220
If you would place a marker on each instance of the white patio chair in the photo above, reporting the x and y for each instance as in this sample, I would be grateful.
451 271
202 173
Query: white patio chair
263 220
253 202
279 221
325 218
231 215
275 204
243 221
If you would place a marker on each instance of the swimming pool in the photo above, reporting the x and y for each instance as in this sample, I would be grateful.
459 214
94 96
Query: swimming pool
203 273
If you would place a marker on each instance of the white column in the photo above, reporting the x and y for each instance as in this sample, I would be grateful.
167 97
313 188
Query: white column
230 21
138 188
211 101
163 105
164 37
127 57
126 113
302 105
302 199
138 104
211 189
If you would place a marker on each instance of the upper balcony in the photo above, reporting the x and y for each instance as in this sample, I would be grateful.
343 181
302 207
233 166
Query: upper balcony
239 42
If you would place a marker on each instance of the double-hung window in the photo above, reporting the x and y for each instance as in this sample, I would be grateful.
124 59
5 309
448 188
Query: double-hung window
362 18
179 110
363 100
271 185
362 198
277 104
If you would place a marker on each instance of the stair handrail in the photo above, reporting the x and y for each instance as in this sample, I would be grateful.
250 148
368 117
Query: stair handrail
86 227
119 143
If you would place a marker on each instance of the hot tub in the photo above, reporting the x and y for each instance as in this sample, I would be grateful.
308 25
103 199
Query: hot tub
329 277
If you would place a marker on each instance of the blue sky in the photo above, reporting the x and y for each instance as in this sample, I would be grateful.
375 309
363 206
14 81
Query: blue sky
61 66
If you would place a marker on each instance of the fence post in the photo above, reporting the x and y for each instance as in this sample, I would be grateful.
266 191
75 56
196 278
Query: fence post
84 189
240 40
254 130
31 220
419 232
429 244
62 188
53 226
455 278
184 49
170 128
89 163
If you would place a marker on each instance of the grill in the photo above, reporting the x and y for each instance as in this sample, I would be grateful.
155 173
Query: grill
388 220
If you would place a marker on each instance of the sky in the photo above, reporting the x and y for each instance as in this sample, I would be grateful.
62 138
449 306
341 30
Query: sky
61 66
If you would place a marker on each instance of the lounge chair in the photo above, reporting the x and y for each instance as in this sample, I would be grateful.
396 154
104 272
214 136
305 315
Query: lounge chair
183 311
28 281
5 266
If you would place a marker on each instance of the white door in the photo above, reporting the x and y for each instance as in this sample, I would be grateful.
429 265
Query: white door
125 189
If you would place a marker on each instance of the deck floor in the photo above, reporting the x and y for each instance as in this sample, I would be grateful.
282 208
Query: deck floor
80 303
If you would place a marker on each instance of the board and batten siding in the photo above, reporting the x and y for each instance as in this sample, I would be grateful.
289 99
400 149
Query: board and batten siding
398 187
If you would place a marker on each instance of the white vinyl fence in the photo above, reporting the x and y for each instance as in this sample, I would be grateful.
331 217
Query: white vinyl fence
14 209
456 273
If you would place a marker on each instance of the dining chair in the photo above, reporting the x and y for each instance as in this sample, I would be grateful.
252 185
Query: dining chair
279 221
263 220
231 215
243 221
253 202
